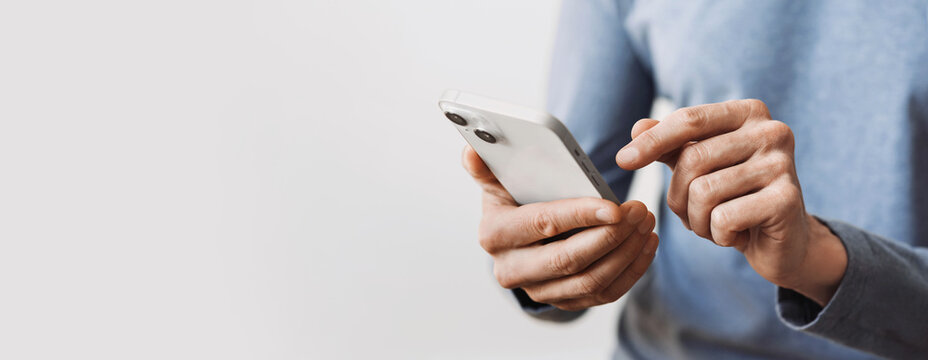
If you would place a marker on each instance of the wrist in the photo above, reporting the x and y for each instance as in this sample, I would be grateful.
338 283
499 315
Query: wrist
824 265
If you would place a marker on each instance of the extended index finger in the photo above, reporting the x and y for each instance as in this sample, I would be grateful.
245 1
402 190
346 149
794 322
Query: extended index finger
684 125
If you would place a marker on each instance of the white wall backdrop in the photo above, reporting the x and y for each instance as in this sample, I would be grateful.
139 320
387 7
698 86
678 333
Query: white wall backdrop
258 180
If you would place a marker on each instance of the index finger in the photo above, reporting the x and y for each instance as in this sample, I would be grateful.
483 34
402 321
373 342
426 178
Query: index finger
494 192
531 223
682 126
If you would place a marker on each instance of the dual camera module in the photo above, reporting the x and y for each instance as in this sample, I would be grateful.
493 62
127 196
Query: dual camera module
482 134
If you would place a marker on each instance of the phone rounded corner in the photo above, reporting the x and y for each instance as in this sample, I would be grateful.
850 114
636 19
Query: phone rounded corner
549 121
448 96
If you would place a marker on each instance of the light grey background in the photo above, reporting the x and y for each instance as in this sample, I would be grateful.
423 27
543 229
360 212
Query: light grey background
258 180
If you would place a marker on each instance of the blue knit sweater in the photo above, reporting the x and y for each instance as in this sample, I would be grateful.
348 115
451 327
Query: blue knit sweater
850 77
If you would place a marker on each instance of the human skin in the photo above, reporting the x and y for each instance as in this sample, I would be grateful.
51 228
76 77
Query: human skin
591 267
734 183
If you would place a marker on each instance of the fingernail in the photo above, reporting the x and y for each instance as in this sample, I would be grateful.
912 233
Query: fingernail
650 247
604 215
636 214
627 155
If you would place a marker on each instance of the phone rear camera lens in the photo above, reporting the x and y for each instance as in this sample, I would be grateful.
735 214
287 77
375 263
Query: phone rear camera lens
485 136
455 118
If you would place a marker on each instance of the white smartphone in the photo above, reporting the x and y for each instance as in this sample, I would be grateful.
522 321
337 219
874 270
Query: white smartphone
531 152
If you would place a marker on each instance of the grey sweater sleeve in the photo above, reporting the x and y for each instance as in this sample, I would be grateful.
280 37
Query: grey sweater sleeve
881 305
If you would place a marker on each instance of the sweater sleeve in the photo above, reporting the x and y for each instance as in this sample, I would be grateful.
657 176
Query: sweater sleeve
881 305
599 87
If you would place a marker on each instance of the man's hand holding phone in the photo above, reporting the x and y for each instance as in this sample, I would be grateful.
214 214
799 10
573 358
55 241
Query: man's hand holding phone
594 266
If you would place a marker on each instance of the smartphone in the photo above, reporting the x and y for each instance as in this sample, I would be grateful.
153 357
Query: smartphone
531 152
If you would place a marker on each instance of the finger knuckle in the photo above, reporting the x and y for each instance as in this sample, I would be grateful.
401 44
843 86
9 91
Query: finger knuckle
701 189
721 219
589 285
776 133
676 205
612 234
721 237
535 295
787 198
701 225
723 240
544 224
781 192
580 215
504 277
563 262
757 106
488 239
778 163
794 194
692 117
693 158
701 153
